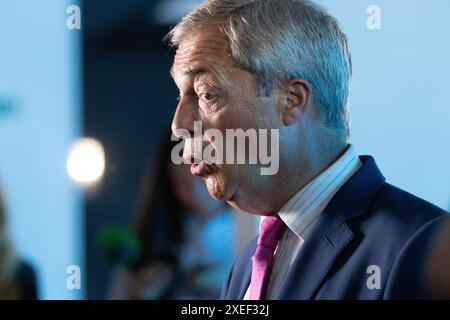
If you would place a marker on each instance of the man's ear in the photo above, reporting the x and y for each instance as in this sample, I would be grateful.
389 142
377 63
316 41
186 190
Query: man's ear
293 100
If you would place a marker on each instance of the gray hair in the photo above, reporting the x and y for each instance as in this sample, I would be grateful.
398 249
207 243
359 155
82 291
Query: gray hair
280 39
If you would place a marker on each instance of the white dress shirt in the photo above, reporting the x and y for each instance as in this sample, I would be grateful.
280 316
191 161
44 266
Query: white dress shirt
302 210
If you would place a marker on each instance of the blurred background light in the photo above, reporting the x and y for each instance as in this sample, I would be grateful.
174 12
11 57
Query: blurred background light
86 161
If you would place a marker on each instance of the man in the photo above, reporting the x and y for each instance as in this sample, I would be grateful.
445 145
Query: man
332 226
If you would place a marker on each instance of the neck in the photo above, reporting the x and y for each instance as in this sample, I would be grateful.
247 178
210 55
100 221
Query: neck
310 160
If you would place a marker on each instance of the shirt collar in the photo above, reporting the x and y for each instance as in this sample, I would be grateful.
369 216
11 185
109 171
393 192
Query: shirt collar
307 204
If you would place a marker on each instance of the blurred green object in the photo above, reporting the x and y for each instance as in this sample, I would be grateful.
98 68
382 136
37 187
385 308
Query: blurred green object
120 245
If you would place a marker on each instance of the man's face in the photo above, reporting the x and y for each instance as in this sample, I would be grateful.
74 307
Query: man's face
222 96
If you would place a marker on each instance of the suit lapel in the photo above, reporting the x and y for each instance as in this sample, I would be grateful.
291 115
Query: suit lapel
241 273
331 234
245 282
328 239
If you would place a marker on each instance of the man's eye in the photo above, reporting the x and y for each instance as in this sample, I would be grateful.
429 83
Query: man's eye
206 96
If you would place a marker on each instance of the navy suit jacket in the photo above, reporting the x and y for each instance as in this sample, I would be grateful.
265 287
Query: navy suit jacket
367 223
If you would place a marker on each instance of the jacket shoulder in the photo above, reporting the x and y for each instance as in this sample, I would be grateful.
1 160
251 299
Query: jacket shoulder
402 211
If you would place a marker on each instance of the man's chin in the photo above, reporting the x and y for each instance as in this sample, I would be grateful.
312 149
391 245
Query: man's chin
216 190
215 195
213 188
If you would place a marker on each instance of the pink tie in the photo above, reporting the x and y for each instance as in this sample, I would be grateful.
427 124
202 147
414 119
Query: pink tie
269 234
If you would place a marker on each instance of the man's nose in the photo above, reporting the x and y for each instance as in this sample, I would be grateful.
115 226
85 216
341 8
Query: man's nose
184 118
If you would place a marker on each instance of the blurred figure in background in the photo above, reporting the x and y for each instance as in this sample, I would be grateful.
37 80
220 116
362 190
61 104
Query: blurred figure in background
17 278
437 272
186 237
424 264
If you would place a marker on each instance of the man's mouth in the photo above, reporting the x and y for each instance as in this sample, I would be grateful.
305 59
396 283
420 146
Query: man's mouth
201 169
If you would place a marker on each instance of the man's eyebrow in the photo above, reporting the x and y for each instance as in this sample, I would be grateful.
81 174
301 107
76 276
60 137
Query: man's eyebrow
191 72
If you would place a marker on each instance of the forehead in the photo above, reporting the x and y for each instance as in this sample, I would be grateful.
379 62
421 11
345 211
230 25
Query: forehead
205 51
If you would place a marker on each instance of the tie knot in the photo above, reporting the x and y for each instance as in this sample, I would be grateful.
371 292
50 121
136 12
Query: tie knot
270 231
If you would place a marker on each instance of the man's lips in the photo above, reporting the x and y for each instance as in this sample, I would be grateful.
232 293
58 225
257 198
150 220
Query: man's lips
202 169
199 169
